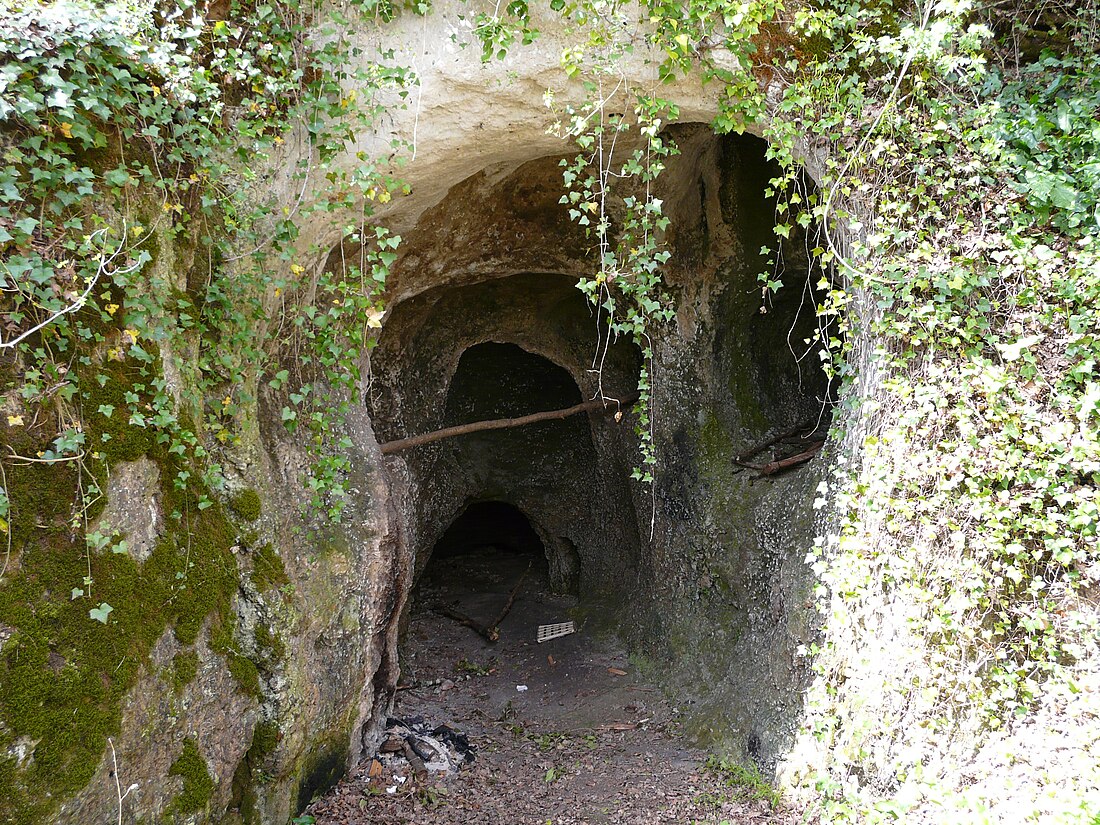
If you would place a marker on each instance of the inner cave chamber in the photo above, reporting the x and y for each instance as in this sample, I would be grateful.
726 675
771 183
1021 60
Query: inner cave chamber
703 569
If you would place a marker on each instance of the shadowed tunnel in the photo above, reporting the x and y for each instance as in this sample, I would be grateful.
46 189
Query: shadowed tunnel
703 567
489 524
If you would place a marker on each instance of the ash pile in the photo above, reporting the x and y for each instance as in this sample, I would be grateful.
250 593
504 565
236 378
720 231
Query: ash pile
412 743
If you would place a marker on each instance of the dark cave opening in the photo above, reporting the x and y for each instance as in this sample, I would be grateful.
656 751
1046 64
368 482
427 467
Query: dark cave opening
490 547
494 524
503 380
488 572
703 568
531 482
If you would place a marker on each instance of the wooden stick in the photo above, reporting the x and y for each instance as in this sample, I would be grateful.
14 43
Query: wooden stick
503 423
491 632
759 448
510 602
786 463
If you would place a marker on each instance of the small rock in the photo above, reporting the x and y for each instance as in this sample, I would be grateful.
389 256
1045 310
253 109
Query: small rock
392 745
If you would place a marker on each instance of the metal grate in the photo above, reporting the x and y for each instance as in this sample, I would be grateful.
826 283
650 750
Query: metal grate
553 631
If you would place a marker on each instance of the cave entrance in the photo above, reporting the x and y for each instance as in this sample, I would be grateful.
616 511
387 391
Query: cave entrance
484 568
703 568
531 485
494 524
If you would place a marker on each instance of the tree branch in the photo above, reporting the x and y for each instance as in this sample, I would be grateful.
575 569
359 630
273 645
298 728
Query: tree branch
774 467
601 404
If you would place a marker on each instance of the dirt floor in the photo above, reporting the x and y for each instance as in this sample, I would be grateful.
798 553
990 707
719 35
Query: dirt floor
566 732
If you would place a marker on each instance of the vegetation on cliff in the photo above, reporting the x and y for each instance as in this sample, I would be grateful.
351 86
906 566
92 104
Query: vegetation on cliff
953 215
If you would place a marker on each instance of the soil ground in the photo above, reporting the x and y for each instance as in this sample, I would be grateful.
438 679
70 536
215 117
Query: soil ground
567 732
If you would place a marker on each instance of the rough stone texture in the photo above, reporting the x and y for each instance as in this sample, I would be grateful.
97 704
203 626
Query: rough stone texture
156 720
335 618
728 592
339 625
707 564
133 506
467 117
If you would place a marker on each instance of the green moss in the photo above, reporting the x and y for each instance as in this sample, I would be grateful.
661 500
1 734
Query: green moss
321 768
271 647
64 675
197 784
185 665
715 446
268 571
246 504
249 772
107 412
243 669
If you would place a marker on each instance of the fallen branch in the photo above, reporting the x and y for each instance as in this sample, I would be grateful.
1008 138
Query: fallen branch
774 467
504 423
763 445
511 600
489 632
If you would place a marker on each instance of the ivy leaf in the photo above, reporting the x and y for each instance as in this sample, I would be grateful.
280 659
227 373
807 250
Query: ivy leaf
60 99
100 613
1012 352
117 177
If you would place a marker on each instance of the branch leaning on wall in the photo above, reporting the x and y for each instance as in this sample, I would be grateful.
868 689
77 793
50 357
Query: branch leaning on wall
598 405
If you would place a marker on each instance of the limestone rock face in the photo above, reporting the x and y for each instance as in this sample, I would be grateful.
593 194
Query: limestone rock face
701 570
133 506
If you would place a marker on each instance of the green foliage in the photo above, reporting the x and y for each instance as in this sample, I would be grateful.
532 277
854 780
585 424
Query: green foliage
161 121
198 786
1047 119
957 214
745 781
496 32
613 199
129 236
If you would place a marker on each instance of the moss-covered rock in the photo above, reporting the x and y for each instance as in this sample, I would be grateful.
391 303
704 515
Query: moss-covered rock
242 668
197 783
249 772
185 666
246 505
322 767
64 674
268 571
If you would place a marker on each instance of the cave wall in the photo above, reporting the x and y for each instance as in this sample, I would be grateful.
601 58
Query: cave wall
282 687
247 652
704 570
728 596
315 617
